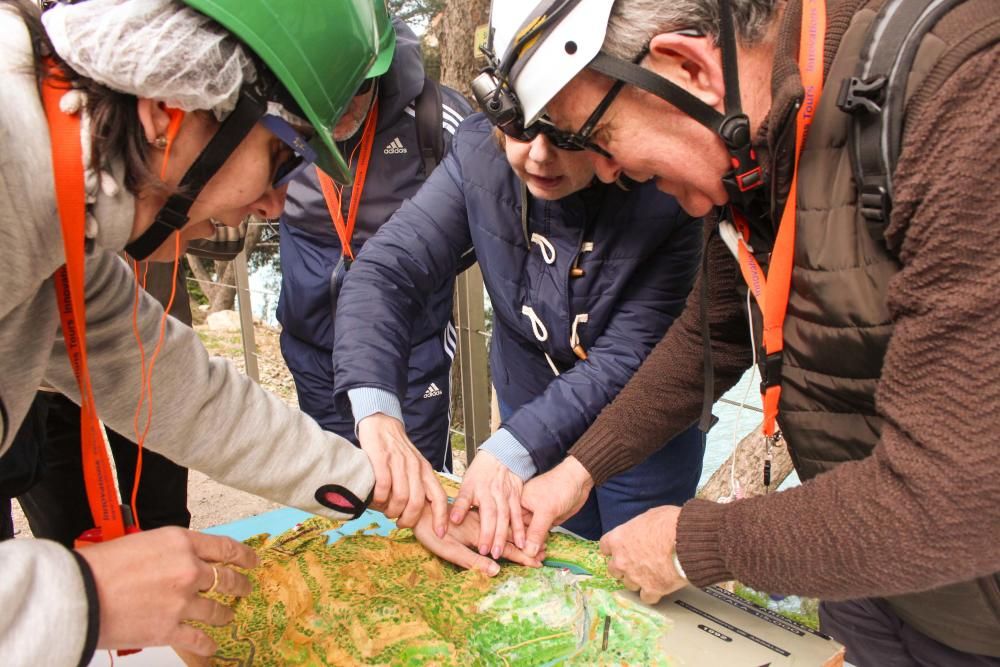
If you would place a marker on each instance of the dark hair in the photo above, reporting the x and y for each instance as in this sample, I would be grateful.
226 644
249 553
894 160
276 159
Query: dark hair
115 129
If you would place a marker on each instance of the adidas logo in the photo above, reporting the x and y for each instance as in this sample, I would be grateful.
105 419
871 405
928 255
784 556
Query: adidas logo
395 146
432 389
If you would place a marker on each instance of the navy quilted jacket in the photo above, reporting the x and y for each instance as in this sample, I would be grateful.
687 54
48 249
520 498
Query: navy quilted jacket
639 252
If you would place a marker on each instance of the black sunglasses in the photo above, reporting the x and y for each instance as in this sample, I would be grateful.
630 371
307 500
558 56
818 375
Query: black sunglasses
561 139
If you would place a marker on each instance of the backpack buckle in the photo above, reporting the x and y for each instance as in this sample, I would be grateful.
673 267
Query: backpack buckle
860 95
875 203
770 371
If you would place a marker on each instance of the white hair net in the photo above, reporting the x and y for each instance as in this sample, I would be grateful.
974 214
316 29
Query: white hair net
158 49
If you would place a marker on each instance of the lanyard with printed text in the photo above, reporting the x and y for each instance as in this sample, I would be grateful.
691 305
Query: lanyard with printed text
67 162
331 191
772 291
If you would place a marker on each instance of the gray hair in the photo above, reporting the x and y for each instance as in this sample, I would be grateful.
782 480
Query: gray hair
633 23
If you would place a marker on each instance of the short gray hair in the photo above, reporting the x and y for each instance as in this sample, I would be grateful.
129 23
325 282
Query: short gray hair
633 23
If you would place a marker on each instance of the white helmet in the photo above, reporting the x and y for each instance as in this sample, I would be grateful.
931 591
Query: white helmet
537 47
567 36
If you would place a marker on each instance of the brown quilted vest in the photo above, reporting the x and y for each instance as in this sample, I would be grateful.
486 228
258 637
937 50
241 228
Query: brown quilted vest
838 324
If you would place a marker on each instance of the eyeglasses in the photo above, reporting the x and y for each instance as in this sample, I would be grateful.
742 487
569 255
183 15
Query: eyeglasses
561 139
303 154
365 86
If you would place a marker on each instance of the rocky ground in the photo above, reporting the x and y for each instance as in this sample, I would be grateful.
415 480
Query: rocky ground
210 502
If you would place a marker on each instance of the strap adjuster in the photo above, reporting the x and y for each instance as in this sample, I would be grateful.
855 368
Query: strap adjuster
876 203
770 372
750 180
859 95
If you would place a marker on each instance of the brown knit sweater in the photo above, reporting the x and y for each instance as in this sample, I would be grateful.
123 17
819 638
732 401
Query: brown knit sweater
924 509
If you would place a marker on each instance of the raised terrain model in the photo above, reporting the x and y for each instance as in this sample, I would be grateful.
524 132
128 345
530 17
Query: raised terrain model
369 599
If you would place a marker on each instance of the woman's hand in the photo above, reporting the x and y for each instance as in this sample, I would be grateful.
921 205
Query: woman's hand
490 486
404 480
148 586
454 546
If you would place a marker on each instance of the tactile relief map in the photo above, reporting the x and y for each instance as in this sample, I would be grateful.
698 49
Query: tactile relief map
373 600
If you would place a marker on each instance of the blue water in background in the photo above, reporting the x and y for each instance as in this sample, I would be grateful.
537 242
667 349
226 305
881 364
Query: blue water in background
733 420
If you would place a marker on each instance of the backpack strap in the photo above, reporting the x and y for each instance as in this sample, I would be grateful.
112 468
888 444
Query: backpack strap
876 98
428 113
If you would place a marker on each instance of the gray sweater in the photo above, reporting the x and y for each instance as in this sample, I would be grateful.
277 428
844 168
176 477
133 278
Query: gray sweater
206 414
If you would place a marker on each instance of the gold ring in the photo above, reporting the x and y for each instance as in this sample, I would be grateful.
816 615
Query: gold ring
215 580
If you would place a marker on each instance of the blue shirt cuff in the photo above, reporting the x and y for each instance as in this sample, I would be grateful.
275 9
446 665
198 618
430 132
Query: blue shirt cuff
367 401
511 453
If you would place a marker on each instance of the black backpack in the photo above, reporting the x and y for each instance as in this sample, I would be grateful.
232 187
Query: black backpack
876 96
430 132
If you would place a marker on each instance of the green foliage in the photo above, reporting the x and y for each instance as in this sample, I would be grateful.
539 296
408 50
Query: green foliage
195 291
807 612
417 13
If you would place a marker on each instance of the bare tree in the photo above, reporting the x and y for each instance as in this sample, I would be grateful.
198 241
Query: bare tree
458 49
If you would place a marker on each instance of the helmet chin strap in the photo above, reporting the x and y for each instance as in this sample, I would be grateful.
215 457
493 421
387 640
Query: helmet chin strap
743 182
250 108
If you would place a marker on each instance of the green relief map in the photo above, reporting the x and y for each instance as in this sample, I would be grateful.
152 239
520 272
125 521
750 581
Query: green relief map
373 600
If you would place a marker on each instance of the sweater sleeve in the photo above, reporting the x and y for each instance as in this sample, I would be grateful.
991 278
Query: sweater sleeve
924 509
206 414
549 424
412 257
637 422
43 587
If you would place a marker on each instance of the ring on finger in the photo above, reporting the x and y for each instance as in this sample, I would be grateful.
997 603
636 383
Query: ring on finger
215 580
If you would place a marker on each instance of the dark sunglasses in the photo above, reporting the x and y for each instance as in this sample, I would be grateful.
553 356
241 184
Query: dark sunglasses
561 139
365 86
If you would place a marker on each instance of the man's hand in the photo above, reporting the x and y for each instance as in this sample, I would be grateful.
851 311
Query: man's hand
404 480
554 497
490 485
454 547
148 586
641 552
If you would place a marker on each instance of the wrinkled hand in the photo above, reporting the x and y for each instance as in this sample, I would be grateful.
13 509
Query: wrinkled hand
490 485
641 552
554 497
148 586
404 480
454 546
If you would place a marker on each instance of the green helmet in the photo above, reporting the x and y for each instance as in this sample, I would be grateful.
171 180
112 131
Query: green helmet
320 51
386 42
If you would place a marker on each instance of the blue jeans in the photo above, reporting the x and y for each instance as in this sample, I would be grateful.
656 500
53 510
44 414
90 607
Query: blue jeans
669 476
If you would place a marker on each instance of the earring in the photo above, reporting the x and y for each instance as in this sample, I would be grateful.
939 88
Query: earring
160 142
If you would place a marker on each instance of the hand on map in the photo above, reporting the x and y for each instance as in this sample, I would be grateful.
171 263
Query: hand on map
149 583
404 480
490 485
454 547
641 553
552 498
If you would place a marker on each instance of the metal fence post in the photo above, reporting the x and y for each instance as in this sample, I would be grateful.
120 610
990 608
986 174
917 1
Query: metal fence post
246 316
475 385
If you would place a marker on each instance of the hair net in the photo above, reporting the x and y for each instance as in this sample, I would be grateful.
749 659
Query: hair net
158 49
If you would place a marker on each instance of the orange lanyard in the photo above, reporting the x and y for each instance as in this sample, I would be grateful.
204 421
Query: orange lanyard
67 162
771 292
331 192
